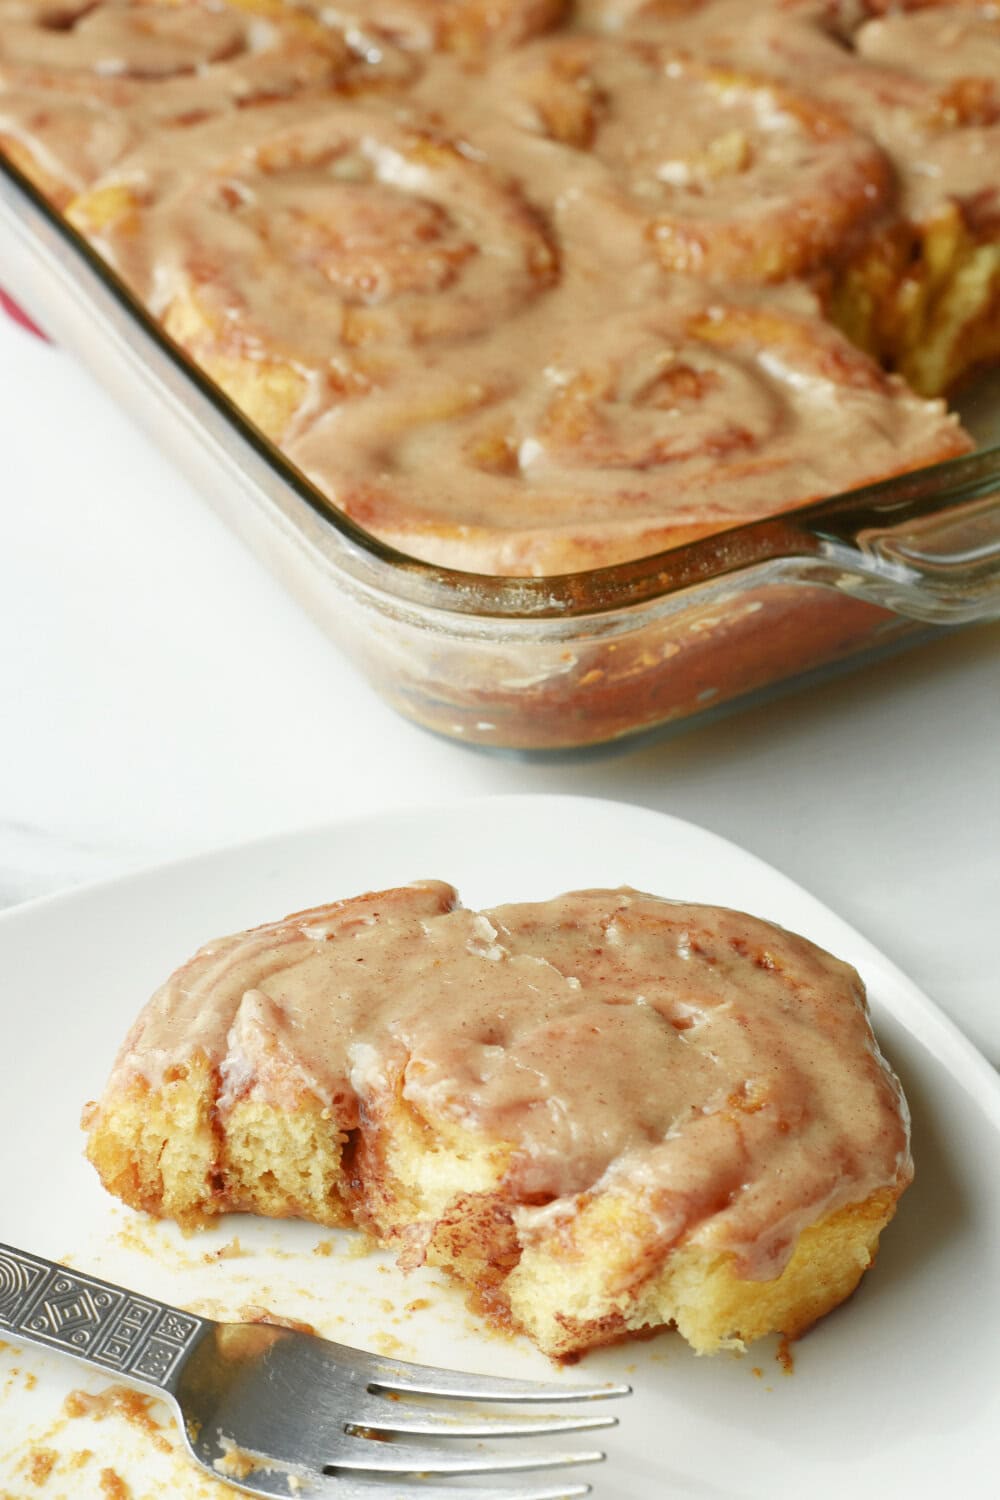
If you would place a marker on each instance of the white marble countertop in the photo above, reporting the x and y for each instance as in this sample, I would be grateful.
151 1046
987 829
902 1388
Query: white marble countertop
160 695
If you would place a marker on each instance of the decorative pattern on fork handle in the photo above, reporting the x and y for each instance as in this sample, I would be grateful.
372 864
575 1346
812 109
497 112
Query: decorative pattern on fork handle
126 1334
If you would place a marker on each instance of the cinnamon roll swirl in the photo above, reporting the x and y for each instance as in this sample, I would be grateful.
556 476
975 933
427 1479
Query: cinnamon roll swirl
308 260
735 177
640 430
82 84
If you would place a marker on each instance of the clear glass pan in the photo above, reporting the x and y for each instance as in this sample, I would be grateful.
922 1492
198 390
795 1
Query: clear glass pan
534 663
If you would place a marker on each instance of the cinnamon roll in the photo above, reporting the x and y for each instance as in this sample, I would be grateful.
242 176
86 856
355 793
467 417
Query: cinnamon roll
81 85
604 1113
641 429
919 288
923 295
735 177
314 252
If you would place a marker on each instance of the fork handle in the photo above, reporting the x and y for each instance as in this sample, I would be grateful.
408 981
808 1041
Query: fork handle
103 1325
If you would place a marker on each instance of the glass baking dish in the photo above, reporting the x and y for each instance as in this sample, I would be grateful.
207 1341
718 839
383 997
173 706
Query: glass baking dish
537 663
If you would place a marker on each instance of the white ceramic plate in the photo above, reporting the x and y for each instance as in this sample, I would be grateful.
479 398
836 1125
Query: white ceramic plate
896 1393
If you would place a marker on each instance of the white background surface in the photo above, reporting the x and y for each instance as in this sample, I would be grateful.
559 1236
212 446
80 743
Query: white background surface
161 695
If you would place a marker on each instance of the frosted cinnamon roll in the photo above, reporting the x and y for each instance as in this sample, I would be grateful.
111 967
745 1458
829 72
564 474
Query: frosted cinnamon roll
919 288
79 89
801 44
151 40
602 1113
923 296
308 260
639 430
735 177
927 84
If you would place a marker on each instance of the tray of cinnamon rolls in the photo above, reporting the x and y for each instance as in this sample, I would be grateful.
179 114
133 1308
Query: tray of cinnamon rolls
583 367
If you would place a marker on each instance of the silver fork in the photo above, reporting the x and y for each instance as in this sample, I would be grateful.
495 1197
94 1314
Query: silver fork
280 1413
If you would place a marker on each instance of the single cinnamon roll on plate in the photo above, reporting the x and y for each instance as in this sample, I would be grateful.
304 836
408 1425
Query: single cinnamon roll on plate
603 1113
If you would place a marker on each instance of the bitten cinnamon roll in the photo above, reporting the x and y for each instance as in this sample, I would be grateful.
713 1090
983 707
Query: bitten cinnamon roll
603 1113
735 177
307 260
639 430
81 84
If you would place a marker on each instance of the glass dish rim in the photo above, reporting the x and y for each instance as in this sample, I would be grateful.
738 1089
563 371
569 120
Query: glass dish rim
831 528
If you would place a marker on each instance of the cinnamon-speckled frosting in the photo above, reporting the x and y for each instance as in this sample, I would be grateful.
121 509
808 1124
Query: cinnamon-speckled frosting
713 1067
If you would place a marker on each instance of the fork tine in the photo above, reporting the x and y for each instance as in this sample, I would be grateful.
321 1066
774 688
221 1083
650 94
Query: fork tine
362 1455
388 1416
398 1377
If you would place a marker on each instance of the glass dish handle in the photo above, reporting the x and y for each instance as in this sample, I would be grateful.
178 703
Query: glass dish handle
924 545
898 546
